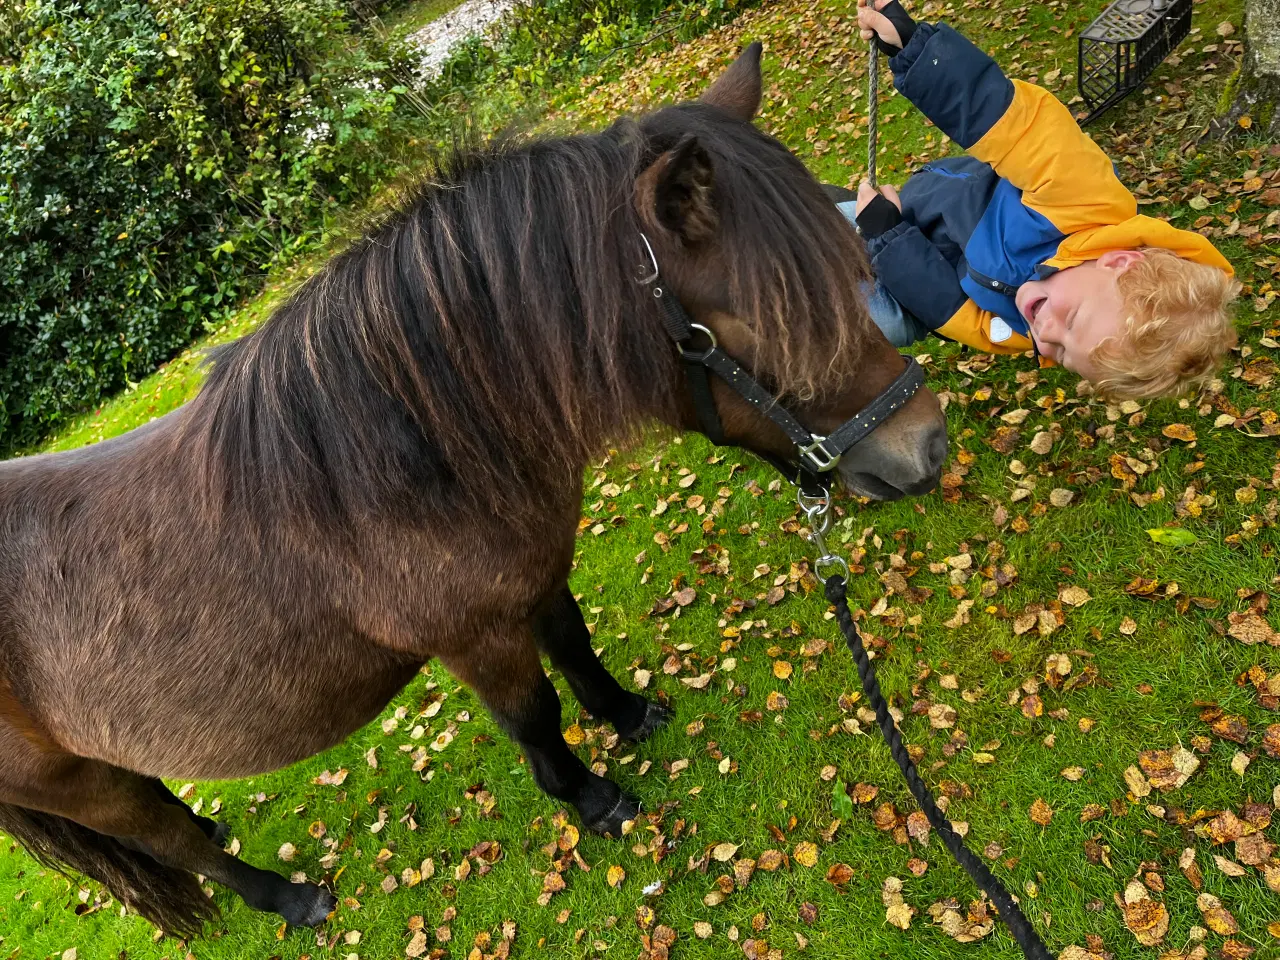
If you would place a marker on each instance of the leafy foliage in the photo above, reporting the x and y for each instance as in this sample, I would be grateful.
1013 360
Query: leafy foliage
154 158
548 41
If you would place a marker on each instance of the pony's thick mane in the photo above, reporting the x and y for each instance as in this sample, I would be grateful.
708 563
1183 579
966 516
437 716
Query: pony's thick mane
489 336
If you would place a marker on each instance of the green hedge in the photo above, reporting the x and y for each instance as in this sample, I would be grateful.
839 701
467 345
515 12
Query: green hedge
154 159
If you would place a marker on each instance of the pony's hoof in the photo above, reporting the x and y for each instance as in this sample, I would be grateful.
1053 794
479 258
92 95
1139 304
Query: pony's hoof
310 908
610 825
655 717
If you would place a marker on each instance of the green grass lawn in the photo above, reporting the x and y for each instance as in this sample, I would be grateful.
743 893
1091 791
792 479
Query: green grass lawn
1037 644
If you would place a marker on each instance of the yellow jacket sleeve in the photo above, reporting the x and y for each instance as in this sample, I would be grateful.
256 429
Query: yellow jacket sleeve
1038 147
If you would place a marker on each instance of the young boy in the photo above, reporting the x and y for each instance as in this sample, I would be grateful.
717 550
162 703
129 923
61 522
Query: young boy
1031 241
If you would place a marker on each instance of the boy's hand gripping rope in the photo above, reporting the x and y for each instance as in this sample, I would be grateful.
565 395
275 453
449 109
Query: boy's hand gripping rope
817 510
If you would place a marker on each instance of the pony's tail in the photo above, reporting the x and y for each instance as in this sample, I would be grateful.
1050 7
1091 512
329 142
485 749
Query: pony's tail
169 898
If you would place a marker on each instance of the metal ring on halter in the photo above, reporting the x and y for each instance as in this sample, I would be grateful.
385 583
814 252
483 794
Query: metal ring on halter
808 503
711 337
652 260
815 507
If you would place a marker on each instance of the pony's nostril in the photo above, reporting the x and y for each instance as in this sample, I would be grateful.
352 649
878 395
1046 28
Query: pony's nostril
938 448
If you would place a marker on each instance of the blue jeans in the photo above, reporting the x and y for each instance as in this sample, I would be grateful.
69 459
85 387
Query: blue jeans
900 327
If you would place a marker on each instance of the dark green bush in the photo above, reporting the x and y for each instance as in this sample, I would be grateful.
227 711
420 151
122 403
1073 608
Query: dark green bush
155 158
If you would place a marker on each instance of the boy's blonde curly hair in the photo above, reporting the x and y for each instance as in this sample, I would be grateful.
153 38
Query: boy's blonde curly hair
1178 329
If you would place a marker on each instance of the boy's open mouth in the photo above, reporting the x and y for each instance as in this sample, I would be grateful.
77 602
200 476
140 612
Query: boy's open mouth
1033 309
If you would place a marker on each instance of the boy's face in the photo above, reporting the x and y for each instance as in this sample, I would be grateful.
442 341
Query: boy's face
1074 310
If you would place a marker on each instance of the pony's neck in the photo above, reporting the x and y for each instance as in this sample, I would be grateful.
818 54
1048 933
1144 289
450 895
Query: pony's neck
476 350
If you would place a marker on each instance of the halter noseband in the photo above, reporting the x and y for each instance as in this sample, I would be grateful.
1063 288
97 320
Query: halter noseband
815 455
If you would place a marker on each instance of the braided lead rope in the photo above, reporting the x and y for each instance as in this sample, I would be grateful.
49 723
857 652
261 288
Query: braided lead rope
1023 932
873 82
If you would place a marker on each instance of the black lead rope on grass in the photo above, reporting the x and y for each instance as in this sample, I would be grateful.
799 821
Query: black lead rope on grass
1032 946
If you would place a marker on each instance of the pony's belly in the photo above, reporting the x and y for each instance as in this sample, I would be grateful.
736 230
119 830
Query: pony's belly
217 730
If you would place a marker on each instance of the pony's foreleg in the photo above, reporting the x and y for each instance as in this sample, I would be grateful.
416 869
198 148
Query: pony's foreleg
563 636
506 673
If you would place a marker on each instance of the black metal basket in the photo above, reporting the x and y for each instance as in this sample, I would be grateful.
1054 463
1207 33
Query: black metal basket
1123 47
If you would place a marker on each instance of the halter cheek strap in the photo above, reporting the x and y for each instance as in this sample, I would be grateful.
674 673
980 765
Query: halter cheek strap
815 454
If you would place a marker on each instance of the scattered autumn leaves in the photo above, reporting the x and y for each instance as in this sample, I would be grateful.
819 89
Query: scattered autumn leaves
1047 443
1053 477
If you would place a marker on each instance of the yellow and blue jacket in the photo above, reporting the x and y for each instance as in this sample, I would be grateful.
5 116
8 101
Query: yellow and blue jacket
1035 195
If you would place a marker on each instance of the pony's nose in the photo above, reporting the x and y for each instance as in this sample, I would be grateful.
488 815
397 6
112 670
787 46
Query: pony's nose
933 457
936 449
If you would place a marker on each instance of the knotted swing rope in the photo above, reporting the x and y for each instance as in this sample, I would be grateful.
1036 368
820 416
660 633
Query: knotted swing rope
873 95
1032 946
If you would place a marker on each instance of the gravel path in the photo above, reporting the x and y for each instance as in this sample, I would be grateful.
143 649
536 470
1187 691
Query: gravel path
438 38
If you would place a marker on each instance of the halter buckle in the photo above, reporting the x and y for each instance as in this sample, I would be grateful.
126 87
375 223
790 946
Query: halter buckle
817 456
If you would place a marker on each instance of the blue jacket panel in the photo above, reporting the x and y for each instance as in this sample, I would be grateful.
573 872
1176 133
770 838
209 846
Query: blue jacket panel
1004 251
956 85
916 273
946 199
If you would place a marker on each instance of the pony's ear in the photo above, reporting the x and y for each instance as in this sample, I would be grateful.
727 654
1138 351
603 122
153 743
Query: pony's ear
737 92
676 192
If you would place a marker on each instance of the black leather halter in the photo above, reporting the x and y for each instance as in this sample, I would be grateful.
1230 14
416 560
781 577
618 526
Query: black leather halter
815 455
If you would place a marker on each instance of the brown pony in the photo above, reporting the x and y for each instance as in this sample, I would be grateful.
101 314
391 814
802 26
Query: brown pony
390 470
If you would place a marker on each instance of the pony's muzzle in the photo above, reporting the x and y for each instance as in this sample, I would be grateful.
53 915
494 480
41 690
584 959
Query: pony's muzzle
904 459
